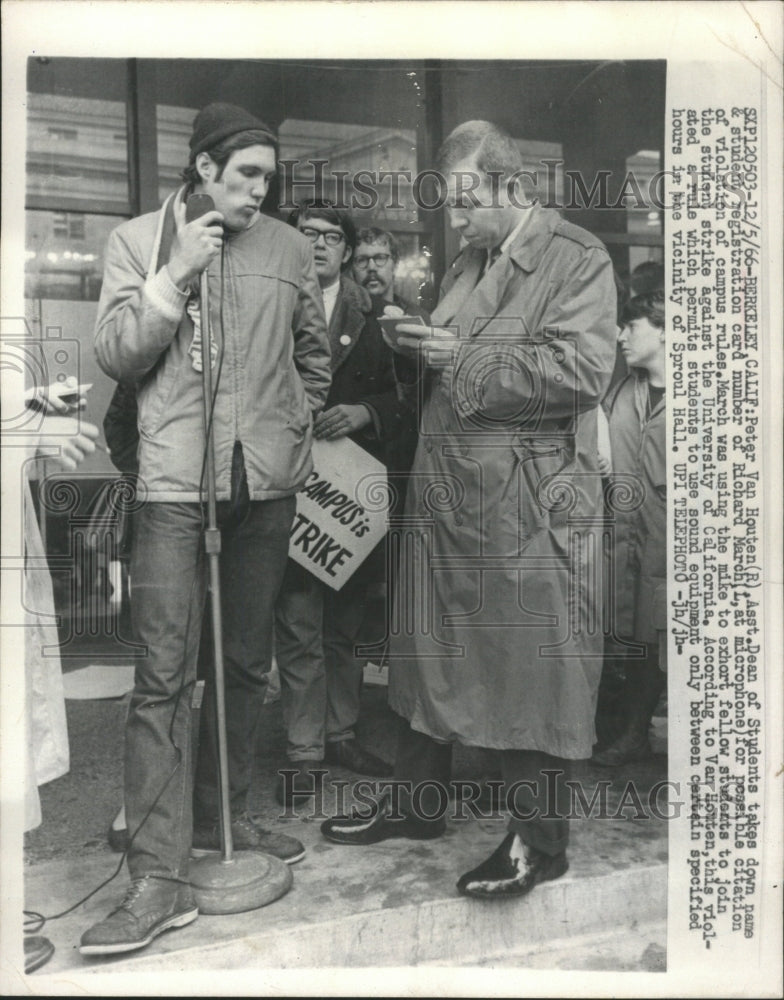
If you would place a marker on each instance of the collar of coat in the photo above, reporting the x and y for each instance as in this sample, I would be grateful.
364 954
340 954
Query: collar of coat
638 380
526 250
352 310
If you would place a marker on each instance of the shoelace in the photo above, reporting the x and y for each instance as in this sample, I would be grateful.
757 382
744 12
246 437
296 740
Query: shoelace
137 887
132 893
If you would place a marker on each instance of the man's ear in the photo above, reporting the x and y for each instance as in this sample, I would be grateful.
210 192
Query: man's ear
205 166
348 253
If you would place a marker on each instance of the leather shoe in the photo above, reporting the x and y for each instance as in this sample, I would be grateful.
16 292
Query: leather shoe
247 835
513 869
378 827
153 904
37 952
349 754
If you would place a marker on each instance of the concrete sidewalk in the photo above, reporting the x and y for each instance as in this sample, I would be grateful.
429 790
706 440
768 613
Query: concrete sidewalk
391 904
394 904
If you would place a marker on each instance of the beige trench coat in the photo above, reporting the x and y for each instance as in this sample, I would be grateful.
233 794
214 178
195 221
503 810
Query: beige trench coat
497 634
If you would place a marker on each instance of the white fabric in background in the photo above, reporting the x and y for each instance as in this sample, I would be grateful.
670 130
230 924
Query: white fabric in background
46 750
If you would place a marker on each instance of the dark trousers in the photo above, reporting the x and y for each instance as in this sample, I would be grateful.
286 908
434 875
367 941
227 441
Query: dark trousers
168 580
533 782
316 632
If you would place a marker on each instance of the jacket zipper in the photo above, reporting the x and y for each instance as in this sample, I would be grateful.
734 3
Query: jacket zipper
229 301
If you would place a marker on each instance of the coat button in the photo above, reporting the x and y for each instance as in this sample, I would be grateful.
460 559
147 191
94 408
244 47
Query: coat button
458 519
429 447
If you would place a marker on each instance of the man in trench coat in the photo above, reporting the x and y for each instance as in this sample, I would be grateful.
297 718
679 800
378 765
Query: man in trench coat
499 637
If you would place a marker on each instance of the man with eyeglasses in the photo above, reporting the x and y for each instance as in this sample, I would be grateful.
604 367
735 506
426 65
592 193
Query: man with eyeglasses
499 651
317 628
374 264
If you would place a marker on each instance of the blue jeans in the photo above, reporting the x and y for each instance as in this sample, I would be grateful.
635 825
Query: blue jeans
168 579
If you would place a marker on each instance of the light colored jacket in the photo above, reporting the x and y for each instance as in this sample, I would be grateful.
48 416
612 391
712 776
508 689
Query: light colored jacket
267 313
500 644
639 474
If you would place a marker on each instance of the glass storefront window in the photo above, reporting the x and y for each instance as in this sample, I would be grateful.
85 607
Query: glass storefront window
64 254
644 220
647 218
370 170
174 126
543 165
77 152
77 185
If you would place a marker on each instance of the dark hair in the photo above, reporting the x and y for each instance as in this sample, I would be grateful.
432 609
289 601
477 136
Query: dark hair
494 148
647 277
649 306
322 208
374 235
222 153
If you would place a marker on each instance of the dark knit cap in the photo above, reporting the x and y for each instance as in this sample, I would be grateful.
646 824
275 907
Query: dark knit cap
218 121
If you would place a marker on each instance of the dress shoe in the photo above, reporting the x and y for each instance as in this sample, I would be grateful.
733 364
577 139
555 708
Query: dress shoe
349 754
153 904
302 787
378 827
625 750
37 952
247 835
513 869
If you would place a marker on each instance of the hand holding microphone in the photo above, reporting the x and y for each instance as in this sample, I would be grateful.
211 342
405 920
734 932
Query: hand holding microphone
199 238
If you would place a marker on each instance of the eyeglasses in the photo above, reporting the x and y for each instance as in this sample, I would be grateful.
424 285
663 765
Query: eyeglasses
332 239
379 260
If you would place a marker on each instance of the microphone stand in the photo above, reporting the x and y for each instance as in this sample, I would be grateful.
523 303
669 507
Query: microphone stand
245 880
212 546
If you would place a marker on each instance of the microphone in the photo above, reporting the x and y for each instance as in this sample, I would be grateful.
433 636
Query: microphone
198 205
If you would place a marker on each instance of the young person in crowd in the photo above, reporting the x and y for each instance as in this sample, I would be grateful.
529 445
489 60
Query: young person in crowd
318 628
270 359
636 414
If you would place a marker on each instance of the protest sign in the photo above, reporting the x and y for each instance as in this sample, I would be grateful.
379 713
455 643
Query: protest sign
341 512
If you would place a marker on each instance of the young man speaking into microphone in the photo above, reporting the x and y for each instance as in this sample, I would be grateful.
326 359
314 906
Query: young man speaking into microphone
271 373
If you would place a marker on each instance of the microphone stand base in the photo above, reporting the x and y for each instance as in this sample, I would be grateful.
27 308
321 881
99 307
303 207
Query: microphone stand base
247 882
